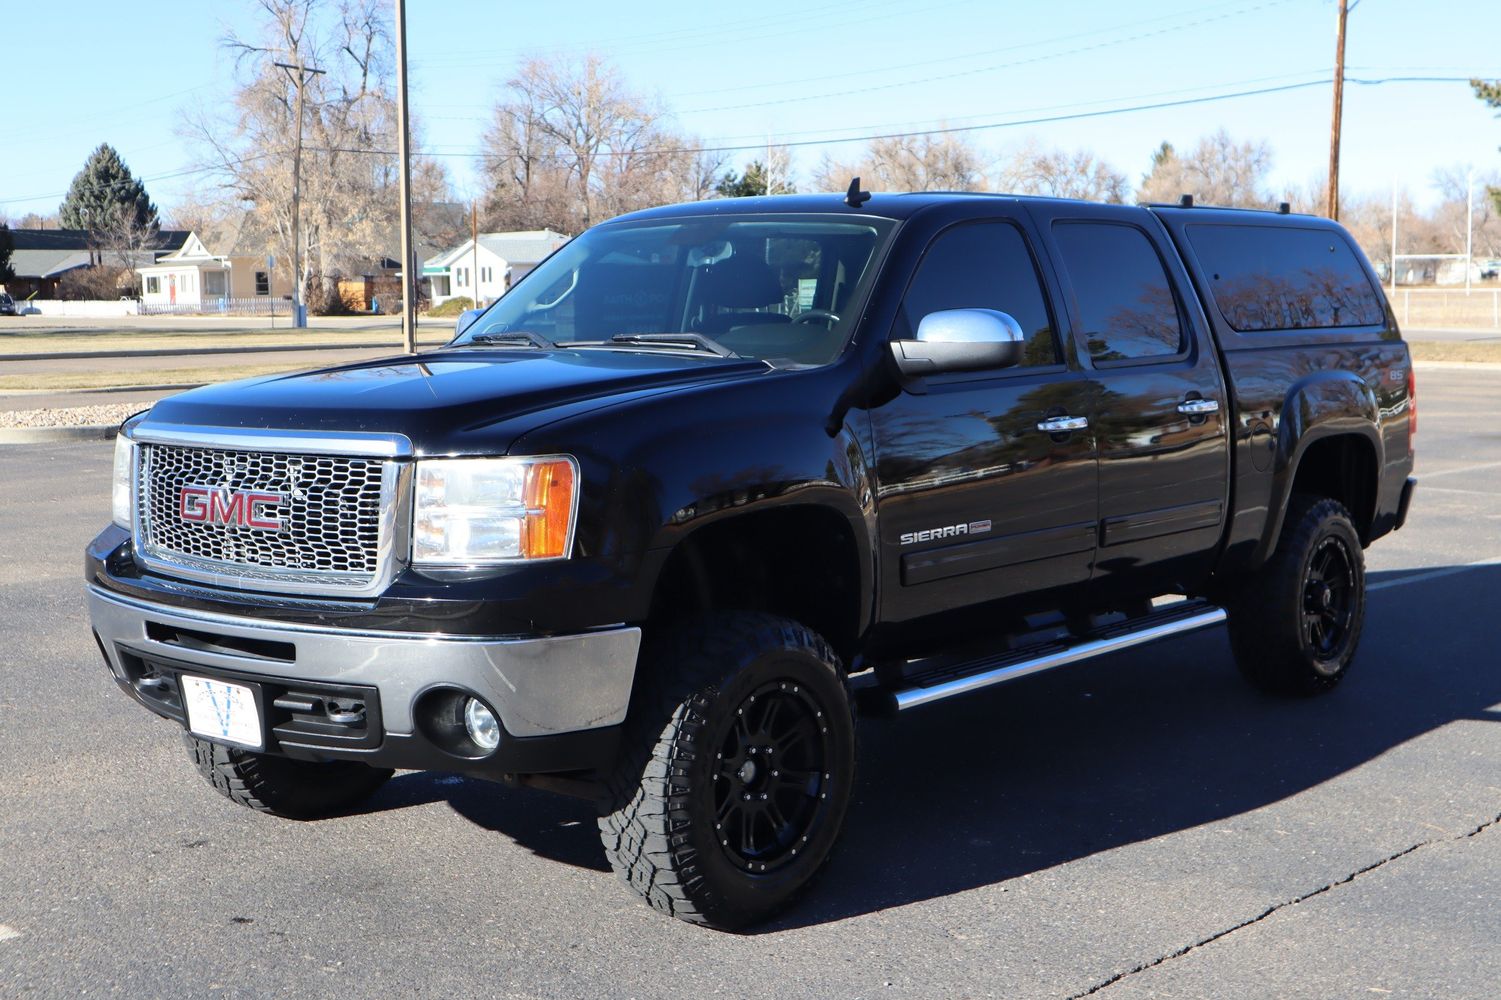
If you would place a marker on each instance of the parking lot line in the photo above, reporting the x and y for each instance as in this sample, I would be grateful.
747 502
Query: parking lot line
1432 574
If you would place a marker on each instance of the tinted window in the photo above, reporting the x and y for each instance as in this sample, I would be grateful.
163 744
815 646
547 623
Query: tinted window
1284 277
1126 306
985 266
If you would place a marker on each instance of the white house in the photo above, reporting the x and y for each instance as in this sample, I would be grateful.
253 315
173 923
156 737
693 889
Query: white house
484 273
193 278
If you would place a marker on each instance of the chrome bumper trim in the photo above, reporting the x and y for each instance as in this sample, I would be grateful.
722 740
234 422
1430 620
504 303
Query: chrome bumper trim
539 685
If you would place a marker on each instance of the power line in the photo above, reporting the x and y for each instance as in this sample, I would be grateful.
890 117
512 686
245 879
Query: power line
829 140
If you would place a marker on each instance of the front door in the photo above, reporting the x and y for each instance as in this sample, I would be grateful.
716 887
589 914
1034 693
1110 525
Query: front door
1160 401
976 503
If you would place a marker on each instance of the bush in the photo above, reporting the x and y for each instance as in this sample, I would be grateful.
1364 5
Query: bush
452 307
95 283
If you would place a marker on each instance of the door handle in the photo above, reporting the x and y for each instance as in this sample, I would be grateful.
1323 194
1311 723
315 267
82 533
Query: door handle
1062 425
1199 407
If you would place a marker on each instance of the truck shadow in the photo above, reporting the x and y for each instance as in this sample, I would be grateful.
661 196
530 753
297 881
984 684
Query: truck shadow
1064 765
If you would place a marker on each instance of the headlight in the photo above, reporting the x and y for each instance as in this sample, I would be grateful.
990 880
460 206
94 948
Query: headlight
122 493
473 511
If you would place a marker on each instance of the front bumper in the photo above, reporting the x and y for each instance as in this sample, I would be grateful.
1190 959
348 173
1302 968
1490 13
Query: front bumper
560 699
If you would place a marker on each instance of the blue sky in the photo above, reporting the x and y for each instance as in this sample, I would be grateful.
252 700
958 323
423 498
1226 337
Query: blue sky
93 71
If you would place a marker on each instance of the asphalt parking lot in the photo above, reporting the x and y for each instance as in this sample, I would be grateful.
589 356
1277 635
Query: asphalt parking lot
1139 826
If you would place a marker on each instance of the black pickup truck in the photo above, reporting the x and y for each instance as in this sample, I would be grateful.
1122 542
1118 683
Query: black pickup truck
654 525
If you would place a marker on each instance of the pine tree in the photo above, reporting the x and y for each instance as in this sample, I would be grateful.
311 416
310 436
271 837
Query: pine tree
1490 93
105 195
7 245
750 184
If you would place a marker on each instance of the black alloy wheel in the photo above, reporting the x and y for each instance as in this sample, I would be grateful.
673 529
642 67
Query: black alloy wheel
1328 598
770 782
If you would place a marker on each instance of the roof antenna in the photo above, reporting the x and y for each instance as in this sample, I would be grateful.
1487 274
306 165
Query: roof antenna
1187 201
854 197
1284 208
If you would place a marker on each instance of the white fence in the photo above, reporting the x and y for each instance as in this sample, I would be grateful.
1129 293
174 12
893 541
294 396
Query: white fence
98 308
220 306
1436 308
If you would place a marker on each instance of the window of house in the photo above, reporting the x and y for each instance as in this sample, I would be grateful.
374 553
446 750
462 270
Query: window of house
1127 309
984 266
262 283
462 277
1266 278
153 285
484 274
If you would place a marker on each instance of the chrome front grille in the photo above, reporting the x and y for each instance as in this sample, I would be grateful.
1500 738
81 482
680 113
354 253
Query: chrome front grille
329 515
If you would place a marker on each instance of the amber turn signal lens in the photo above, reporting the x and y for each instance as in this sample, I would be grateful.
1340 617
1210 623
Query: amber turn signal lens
549 510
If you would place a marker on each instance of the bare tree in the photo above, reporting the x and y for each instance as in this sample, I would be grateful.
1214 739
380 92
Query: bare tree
569 144
928 162
1217 171
348 182
1059 173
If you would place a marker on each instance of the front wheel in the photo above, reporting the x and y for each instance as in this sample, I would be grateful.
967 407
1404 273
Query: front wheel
1295 624
296 789
736 771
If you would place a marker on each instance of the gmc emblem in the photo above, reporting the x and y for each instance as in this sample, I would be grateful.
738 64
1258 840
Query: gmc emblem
241 508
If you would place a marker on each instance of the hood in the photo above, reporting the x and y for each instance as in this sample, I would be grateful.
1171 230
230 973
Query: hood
447 401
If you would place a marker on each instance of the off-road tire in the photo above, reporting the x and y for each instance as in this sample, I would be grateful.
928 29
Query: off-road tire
661 827
1268 632
281 786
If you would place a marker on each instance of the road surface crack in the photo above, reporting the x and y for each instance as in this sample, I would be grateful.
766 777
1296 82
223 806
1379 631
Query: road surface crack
1144 966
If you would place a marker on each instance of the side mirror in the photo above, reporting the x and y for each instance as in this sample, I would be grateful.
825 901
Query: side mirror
466 318
960 340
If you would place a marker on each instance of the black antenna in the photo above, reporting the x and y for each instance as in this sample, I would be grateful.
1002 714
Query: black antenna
1283 208
854 197
1187 201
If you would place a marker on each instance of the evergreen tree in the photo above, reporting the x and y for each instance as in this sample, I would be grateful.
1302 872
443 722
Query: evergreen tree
104 196
7 245
1490 93
751 183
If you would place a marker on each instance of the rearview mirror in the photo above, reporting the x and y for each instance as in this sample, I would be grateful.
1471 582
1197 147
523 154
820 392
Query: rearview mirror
466 318
960 340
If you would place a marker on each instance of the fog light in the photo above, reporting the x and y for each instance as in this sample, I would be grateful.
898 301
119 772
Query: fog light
484 728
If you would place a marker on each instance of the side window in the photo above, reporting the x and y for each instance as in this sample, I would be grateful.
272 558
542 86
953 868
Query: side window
262 283
1126 305
1269 278
985 265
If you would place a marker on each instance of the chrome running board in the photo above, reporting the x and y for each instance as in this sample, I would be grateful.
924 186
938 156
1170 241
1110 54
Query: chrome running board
950 681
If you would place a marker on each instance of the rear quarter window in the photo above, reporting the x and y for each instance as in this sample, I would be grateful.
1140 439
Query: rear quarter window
1273 278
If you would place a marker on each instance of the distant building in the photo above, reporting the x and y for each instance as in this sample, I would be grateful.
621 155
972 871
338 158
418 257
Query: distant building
193 277
483 276
43 256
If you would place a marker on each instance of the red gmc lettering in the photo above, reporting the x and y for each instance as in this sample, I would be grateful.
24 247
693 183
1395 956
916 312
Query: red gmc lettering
216 505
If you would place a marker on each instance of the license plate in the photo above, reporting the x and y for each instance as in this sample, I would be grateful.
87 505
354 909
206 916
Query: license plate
222 711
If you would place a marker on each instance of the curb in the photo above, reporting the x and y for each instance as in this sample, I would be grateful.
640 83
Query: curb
57 435
171 352
169 387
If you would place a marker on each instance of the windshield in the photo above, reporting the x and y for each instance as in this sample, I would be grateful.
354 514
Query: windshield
781 289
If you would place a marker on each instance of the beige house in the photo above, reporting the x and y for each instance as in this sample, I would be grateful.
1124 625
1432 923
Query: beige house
192 278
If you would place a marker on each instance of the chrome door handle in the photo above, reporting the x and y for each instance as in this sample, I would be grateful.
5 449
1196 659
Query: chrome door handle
1062 425
1199 407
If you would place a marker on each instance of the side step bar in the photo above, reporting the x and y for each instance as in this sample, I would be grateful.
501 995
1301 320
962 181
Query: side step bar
951 682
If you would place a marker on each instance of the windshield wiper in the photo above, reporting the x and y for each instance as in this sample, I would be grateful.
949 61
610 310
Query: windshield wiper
510 337
683 339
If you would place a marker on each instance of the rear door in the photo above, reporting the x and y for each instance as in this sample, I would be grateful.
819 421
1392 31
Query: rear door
976 503
1160 405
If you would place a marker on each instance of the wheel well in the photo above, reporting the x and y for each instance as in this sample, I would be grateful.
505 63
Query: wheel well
1342 468
799 562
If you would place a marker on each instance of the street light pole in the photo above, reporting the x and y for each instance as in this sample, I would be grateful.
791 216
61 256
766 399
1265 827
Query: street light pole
1469 227
299 308
404 155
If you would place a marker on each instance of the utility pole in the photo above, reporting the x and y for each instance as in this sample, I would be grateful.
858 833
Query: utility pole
474 249
299 308
404 155
1339 102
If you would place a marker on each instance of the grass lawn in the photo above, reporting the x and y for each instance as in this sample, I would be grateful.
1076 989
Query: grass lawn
20 342
1455 350
56 381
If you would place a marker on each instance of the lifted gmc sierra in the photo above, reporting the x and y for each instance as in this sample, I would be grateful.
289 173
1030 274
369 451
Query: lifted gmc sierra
652 525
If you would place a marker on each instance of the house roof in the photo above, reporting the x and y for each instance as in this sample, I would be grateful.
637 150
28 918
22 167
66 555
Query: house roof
32 263
163 240
525 247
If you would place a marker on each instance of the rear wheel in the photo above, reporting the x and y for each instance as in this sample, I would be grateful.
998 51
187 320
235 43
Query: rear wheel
296 789
736 773
1295 625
